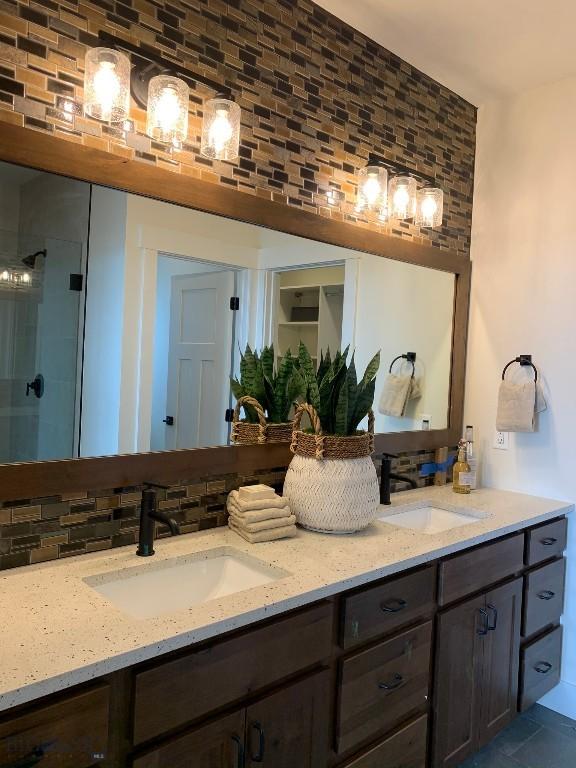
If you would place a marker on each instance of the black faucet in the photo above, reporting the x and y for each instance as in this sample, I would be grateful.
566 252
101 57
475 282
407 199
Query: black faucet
386 475
149 515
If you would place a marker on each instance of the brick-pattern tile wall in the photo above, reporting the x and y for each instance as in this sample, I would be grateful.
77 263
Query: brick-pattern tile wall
37 530
317 97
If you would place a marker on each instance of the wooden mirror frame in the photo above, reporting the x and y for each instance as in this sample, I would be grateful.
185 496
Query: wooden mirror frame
45 152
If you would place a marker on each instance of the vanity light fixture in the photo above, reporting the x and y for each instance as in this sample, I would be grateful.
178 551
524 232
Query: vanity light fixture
372 190
404 200
167 115
15 278
430 207
107 85
162 88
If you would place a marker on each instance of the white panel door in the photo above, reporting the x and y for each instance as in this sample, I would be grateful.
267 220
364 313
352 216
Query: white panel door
199 363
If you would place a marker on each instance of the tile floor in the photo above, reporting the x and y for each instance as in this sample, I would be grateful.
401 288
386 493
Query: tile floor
540 738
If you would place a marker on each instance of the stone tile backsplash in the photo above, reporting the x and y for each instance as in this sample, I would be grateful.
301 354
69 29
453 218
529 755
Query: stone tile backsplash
37 530
317 98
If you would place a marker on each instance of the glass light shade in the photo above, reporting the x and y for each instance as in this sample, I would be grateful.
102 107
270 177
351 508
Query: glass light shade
430 208
402 197
167 116
221 129
372 190
107 85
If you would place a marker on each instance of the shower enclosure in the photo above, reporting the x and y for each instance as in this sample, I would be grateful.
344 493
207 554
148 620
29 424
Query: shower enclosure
41 313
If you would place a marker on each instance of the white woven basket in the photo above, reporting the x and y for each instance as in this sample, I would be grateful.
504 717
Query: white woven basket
332 495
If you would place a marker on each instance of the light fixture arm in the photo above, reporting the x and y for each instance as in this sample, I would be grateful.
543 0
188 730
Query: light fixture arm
399 169
146 64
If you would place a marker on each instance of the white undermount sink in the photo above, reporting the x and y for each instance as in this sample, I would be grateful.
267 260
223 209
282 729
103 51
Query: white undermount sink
430 517
167 586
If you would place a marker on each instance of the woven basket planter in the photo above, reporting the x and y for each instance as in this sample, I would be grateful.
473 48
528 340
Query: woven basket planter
245 433
331 483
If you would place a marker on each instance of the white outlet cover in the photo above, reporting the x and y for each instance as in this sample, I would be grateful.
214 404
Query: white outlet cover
501 440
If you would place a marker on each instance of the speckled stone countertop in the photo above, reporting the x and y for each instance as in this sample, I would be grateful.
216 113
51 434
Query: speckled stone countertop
56 631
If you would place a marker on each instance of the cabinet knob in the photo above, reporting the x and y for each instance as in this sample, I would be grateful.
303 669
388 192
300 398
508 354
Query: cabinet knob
397 681
394 606
543 667
548 541
546 594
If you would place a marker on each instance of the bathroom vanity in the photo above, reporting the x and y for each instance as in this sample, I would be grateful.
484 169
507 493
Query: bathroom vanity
392 647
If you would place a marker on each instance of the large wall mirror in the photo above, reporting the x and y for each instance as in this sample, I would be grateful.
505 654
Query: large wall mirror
117 334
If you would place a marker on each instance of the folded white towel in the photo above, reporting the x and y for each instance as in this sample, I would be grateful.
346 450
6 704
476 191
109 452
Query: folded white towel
245 506
261 525
259 515
256 492
394 395
518 405
286 532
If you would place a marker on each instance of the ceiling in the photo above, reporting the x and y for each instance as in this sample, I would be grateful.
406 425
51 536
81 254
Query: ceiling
482 49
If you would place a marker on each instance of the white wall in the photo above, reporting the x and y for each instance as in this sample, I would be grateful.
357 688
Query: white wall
524 281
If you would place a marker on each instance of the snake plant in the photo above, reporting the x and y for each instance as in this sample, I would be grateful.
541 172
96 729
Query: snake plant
340 400
275 389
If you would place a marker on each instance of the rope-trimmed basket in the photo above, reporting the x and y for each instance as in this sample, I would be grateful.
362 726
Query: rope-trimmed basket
245 433
321 446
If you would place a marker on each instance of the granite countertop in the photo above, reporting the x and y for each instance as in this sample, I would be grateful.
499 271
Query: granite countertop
56 631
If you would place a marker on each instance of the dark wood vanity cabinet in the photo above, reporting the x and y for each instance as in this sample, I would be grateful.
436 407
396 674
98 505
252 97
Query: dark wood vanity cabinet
348 682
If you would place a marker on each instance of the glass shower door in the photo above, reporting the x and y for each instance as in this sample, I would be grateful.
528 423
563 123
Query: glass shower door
41 302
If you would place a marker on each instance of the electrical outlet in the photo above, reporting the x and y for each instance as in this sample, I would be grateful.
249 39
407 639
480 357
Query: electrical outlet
501 440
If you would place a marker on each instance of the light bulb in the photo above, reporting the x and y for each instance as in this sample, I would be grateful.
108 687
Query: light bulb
372 189
430 210
26 277
106 88
402 195
220 131
5 276
401 200
107 85
168 109
167 116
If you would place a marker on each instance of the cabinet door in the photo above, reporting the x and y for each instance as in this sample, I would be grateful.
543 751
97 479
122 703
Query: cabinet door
217 745
458 680
289 729
501 659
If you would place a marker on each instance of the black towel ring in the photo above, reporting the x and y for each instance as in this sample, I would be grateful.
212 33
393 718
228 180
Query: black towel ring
410 357
524 360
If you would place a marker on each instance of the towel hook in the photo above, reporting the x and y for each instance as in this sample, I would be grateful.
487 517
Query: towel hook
410 357
524 360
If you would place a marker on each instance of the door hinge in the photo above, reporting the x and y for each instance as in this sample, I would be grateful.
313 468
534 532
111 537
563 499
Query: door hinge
229 415
235 303
76 282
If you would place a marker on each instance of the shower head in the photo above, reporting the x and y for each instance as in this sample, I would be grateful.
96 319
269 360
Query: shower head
30 261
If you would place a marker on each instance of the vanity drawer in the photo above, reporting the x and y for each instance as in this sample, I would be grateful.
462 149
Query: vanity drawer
387 607
383 686
176 692
543 597
405 749
73 732
546 541
472 571
540 668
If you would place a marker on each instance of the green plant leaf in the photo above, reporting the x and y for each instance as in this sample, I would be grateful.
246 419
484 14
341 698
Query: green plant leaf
363 405
371 370
270 399
267 361
341 414
309 375
325 363
237 389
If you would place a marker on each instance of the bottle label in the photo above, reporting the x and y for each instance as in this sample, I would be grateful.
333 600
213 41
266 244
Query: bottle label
465 478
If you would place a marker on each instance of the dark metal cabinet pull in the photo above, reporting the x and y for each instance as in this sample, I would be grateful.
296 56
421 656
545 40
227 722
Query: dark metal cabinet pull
239 751
394 606
548 541
259 756
397 681
543 667
33 758
547 594
485 622
494 623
